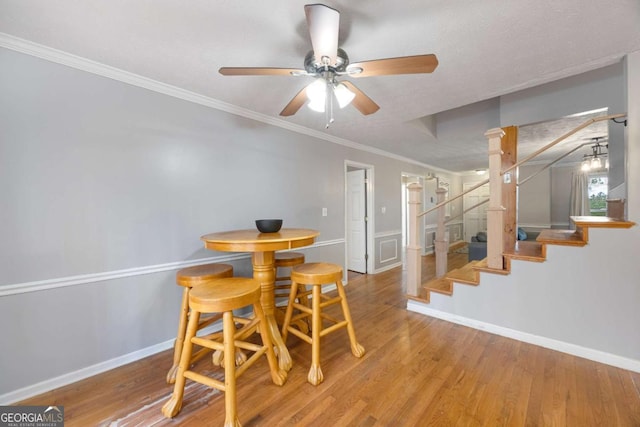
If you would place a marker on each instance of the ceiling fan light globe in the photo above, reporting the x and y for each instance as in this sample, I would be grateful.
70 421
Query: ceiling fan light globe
317 91
316 105
343 95
596 163
586 166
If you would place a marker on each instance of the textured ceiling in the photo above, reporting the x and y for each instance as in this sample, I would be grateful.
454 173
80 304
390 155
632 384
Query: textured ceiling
485 48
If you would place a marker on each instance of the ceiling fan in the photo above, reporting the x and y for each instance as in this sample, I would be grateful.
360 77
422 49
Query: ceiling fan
327 61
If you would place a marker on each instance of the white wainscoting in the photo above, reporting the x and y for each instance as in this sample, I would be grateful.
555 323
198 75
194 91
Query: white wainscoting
388 250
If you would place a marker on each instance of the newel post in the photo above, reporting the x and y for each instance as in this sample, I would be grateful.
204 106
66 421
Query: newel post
441 243
495 211
414 266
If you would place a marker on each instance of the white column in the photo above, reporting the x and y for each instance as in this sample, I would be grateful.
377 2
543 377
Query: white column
414 266
495 211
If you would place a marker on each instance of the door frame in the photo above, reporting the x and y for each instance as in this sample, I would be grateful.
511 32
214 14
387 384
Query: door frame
370 215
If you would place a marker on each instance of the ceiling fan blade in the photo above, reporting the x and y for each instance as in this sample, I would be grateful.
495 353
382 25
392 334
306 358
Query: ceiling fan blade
255 71
324 25
294 105
404 65
362 102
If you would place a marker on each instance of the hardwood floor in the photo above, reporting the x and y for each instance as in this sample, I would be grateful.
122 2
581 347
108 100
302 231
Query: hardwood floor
418 371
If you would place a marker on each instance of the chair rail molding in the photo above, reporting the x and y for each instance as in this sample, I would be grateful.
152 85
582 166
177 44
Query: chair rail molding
85 279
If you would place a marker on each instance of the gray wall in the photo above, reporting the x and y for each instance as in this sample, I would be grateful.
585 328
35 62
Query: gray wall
534 200
604 87
106 189
561 178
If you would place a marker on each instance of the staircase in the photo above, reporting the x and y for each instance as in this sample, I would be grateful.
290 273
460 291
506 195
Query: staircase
524 251
568 291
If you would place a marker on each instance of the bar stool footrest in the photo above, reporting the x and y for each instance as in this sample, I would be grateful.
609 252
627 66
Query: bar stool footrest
300 335
203 379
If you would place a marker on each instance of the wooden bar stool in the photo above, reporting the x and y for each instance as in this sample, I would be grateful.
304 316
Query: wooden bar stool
317 274
224 296
188 278
285 260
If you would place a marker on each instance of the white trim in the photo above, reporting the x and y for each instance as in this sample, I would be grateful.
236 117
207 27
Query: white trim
98 368
371 217
80 374
395 247
61 282
54 55
564 347
531 225
387 234
40 285
388 267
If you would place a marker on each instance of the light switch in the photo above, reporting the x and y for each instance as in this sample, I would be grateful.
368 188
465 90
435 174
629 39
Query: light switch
384 210
324 211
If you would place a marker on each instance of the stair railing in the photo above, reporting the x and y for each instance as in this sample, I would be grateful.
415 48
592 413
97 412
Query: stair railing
451 218
548 165
495 211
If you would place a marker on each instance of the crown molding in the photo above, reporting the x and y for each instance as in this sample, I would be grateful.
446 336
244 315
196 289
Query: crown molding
74 61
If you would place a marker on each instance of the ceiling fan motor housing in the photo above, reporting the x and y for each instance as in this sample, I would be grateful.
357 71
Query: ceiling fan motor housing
312 66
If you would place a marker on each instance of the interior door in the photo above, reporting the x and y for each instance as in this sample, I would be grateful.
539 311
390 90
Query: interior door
476 219
357 221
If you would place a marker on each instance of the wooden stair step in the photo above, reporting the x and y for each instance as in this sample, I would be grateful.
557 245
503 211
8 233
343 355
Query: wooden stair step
423 295
561 237
441 285
527 251
466 274
483 266
601 222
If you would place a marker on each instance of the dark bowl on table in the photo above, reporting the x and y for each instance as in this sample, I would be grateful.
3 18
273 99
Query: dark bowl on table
268 225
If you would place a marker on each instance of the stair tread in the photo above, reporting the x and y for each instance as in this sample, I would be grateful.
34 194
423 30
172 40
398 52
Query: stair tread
466 274
529 251
483 266
601 222
441 285
561 237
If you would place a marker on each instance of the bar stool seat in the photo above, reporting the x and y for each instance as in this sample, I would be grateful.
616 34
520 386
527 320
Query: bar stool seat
188 278
316 275
224 296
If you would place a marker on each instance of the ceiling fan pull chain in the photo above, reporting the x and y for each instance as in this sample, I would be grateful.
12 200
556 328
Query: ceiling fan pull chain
328 104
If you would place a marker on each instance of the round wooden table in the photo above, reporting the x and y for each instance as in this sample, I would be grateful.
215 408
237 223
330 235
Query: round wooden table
262 247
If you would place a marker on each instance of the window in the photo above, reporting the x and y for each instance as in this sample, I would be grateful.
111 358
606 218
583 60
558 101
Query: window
598 187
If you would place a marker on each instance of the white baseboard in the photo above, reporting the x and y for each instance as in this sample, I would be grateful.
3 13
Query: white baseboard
71 377
564 347
44 386
388 267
